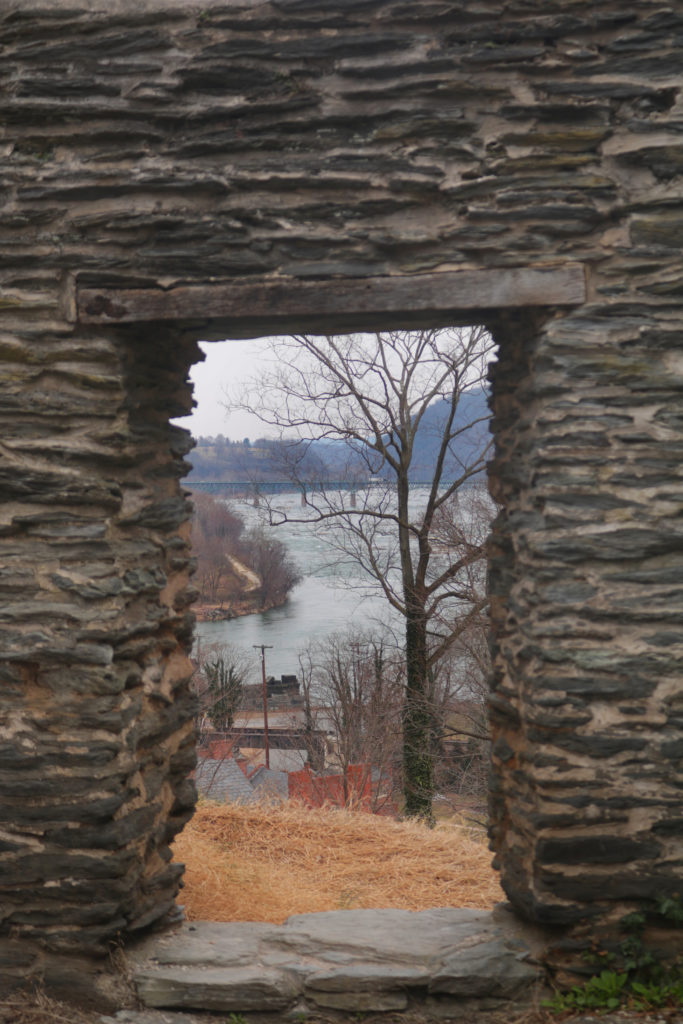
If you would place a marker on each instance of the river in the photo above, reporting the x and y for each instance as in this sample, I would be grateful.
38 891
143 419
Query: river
329 599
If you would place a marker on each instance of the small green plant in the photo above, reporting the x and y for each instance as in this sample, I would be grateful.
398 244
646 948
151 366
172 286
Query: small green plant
647 997
236 1018
631 975
671 909
634 922
601 991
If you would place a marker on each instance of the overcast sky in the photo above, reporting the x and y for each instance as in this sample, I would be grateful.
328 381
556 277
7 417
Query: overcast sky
227 364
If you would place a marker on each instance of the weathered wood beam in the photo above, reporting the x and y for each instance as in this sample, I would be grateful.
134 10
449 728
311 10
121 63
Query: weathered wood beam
457 291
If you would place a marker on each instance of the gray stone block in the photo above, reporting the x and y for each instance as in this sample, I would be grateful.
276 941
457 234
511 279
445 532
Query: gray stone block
486 969
358 960
216 988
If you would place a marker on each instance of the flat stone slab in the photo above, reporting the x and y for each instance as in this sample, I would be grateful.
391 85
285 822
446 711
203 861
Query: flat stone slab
211 944
217 988
151 1017
403 936
355 960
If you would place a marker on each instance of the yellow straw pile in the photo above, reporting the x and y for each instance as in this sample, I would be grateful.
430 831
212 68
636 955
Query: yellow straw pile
265 862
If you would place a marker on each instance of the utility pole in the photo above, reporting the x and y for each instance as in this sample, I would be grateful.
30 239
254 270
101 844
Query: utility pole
263 648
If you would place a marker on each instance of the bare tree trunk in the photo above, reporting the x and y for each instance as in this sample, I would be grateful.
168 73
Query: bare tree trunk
418 723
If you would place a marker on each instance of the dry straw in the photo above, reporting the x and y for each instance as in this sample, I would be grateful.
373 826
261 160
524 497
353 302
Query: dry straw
37 1008
265 862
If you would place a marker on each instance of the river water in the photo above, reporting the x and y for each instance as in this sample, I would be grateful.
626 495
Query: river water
330 598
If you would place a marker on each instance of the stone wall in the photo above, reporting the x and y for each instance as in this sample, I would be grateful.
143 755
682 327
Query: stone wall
276 156
96 710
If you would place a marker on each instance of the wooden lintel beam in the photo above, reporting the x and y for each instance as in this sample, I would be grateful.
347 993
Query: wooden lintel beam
450 291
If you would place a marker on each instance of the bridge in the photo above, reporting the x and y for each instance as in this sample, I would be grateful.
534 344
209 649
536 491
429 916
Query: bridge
251 488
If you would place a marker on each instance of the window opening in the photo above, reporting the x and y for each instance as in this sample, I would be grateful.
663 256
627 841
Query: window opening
331 651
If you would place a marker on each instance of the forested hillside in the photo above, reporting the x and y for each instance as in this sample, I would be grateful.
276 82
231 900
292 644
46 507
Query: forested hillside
260 460
238 571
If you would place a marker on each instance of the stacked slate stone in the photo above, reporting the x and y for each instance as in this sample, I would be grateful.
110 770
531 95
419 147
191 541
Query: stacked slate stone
97 737
151 146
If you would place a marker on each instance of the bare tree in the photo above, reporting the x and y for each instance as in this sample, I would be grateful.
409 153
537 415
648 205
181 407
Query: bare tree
232 564
401 404
314 721
460 680
353 685
216 531
268 558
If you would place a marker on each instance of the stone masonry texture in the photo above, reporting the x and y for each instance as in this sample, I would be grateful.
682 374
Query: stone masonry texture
152 145
446 962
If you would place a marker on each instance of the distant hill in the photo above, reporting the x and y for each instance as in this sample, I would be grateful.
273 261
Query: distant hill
220 459
472 417
473 406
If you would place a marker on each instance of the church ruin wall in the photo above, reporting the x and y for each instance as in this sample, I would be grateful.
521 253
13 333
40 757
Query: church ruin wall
269 159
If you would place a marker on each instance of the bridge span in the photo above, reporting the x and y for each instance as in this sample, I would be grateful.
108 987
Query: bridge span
251 488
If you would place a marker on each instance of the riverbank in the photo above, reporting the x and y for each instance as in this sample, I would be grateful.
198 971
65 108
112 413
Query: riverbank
226 611
231 608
